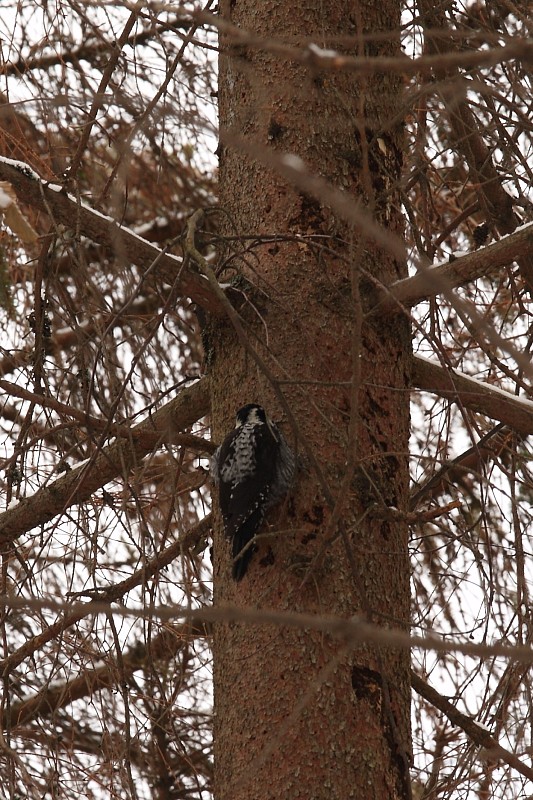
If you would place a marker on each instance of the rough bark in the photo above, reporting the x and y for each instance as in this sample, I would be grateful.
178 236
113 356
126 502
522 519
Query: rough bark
298 714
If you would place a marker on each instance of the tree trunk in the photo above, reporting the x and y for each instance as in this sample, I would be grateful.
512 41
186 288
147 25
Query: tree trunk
299 714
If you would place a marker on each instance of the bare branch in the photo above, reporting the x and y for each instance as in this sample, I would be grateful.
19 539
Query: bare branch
479 735
110 594
117 459
496 403
88 52
354 630
78 216
165 645
432 281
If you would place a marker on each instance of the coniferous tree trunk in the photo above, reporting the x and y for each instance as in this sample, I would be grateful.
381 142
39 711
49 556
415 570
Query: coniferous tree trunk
301 713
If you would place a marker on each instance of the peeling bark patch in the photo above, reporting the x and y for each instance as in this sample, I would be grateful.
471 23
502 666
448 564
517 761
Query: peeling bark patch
268 559
385 530
315 516
365 483
352 157
366 684
275 130
311 216
291 510
375 406
240 52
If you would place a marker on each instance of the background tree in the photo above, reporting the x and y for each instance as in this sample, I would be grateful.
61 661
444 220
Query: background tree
107 132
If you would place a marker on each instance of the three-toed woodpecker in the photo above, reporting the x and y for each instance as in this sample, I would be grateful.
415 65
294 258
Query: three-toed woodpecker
254 469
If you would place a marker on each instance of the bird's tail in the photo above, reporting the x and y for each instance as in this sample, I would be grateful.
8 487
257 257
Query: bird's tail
242 543
241 540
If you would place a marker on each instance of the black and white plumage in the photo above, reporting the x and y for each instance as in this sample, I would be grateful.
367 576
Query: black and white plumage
254 469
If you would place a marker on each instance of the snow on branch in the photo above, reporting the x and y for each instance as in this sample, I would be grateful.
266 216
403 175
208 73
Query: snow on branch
445 276
496 403
74 214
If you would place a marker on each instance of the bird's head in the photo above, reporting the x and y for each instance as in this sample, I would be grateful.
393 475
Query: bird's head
251 414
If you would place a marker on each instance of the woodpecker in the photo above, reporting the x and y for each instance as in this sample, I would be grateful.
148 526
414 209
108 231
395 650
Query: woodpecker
253 469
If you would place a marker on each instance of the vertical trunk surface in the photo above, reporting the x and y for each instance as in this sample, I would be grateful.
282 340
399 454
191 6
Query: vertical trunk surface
300 714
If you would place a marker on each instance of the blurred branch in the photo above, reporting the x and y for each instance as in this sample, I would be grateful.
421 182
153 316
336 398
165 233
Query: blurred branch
318 58
354 631
299 175
168 643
